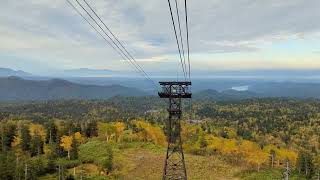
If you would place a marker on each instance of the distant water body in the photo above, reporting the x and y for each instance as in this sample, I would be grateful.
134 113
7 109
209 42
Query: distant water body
240 88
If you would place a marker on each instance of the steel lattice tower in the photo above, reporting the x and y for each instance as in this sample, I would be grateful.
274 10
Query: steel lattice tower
174 167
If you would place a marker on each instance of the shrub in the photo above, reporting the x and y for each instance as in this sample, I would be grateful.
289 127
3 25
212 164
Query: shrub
96 152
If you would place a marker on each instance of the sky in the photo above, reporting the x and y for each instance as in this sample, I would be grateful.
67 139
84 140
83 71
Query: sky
43 36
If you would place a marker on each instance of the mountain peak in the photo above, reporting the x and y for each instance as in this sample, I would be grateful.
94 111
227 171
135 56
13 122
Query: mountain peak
6 72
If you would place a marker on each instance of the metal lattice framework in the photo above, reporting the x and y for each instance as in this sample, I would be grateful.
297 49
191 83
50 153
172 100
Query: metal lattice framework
174 167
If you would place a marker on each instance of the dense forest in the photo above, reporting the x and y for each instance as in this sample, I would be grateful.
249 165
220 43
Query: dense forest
68 139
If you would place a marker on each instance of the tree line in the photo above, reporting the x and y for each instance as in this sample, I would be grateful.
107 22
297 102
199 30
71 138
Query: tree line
258 133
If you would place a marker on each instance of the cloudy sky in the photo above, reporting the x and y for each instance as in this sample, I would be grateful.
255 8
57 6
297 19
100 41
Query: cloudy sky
41 36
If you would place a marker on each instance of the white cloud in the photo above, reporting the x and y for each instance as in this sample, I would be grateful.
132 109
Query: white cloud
52 32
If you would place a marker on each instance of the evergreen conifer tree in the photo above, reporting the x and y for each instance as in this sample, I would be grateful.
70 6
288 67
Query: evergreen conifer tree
25 138
74 149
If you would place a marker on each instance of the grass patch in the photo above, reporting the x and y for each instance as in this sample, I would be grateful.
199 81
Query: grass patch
142 160
48 177
93 151
140 145
267 174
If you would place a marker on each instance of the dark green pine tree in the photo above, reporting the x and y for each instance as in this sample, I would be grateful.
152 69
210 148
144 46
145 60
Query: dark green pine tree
202 141
19 170
309 169
3 139
52 132
52 156
77 128
10 134
7 133
209 130
108 161
25 138
51 165
7 165
92 129
301 162
305 164
74 149
58 150
36 146
69 128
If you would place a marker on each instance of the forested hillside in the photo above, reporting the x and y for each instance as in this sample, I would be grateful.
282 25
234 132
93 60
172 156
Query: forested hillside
122 138
18 89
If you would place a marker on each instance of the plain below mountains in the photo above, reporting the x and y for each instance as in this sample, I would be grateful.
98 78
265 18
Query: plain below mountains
226 95
18 89
287 89
264 90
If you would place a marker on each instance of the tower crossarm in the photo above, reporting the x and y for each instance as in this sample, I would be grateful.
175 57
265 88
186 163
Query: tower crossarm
175 89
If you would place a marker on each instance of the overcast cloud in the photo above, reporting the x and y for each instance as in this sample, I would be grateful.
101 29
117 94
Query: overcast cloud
41 35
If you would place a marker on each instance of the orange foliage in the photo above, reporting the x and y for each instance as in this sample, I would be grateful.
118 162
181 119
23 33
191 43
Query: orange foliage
66 142
150 133
37 129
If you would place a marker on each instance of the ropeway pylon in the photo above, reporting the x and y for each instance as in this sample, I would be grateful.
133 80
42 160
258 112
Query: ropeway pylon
174 167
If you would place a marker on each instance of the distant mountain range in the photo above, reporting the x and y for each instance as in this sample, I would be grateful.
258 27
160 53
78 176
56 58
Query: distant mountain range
82 84
82 72
86 72
5 72
18 89
15 89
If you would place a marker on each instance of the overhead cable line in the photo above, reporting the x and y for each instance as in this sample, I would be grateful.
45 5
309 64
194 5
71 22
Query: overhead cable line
188 46
189 64
114 45
175 32
180 33
117 40
119 53
133 62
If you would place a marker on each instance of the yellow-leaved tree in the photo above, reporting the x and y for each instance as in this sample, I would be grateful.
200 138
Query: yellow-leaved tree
253 154
106 131
215 144
281 155
258 158
66 142
119 127
37 129
148 132
78 137
284 155
230 146
272 150
16 145
16 142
